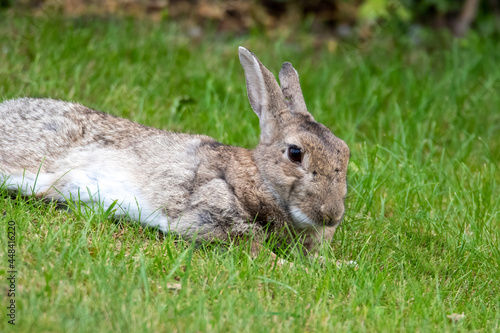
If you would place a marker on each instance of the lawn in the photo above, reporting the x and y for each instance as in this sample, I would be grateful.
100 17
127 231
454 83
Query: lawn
423 210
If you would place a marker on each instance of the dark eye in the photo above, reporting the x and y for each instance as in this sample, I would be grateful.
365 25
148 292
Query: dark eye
295 154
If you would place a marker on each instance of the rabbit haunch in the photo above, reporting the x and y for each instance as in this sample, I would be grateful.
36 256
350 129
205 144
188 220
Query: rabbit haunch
188 184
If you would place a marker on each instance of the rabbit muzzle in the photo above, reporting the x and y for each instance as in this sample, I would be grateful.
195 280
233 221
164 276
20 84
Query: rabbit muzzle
333 215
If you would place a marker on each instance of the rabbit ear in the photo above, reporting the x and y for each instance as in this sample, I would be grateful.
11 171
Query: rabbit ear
264 93
290 87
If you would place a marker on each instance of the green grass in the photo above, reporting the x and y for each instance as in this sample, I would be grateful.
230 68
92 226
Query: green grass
423 211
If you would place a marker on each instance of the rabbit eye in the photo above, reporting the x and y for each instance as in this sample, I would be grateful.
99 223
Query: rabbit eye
295 154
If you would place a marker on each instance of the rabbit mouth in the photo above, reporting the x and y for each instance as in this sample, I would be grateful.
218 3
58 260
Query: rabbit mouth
332 223
302 221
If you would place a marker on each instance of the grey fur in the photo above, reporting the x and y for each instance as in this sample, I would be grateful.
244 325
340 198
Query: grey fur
188 184
290 87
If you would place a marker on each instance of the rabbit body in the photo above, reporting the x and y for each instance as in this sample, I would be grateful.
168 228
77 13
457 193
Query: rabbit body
55 149
191 185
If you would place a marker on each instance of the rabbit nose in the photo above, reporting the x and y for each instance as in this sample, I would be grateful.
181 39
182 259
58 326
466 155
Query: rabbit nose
334 214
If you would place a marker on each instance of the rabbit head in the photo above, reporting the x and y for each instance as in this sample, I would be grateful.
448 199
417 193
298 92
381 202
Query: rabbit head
301 162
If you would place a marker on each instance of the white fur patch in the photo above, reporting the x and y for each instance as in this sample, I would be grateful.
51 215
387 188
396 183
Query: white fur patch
103 181
301 220
28 183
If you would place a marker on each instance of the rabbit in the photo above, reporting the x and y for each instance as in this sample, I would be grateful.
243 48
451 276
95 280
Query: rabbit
190 185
